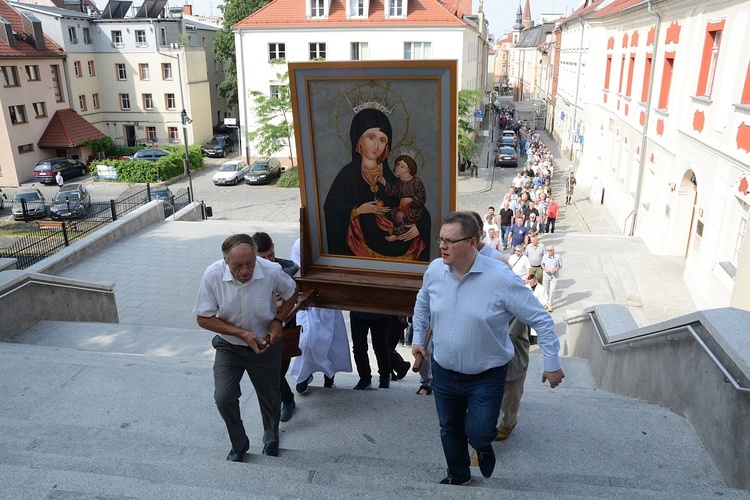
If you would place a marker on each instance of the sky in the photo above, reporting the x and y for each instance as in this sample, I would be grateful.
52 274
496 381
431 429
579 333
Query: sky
500 13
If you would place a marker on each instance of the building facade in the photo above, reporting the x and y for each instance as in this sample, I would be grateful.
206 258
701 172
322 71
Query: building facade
667 144
344 30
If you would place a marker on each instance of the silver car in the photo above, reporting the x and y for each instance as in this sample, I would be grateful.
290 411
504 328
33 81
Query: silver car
36 206
231 172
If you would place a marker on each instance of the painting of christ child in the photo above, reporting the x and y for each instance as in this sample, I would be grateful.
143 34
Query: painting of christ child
412 195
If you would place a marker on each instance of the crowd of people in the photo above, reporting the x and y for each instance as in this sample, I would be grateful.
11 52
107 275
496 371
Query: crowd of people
475 364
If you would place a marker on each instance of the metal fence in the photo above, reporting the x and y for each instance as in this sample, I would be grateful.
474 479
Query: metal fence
52 236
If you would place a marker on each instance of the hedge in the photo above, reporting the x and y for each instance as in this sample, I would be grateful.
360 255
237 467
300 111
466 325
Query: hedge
140 171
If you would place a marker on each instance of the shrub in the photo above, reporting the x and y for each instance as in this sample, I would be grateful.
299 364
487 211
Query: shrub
289 179
141 171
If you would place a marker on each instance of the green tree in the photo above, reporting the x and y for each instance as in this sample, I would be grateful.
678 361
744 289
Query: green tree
467 103
275 118
234 11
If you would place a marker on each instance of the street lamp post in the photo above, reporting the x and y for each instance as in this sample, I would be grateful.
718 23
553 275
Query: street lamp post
185 120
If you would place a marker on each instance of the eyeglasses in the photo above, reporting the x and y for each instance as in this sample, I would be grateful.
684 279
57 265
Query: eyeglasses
449 242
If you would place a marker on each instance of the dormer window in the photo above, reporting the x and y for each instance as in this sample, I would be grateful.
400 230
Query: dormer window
317 8
395 8
356 8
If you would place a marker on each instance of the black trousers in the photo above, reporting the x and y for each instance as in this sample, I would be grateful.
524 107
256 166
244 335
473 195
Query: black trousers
395 332
379 329
230 363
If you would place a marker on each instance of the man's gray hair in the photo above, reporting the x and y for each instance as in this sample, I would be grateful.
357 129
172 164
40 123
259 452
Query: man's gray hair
235 240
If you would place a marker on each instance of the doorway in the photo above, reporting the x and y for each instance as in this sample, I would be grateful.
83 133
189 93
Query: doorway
129 135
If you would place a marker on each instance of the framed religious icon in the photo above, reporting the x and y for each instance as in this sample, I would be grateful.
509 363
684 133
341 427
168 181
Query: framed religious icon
376 147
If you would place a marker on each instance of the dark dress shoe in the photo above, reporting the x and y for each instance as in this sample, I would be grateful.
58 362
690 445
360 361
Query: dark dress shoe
271 449
402 370
287 409
238 456
327 382
486 461
302 386
385 383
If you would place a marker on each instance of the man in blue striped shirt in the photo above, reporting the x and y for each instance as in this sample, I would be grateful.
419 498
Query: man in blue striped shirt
468 299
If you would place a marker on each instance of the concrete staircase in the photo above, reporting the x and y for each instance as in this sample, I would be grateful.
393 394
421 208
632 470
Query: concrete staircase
95 410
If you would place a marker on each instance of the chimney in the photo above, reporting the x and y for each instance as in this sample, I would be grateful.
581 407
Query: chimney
6 32
32 28
188 10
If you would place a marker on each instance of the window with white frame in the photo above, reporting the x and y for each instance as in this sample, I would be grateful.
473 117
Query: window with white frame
174 134
151 134
82 103
17 114
144 71
32 73
148 102
396 8
40 109
275 92
417 50
87 36
95 101
140 38
166 71
316 8
10 76
92 68
124 102
117 38
72 36
317 51
170 101
276 51
122 73
740 233
357 8
55 70
360 51
77 71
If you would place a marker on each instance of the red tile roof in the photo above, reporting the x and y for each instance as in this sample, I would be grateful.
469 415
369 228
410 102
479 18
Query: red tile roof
23 48
585 8
66 129
617 6
291 14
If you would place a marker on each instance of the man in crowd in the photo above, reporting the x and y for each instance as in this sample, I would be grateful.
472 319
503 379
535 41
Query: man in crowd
506 217
492 240
237 300
517 233
551 265
471 351
266 249
535 252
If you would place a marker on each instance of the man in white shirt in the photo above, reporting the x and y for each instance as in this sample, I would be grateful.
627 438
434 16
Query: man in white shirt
237 300
519 262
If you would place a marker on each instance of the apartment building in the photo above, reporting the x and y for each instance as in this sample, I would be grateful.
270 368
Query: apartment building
344 30
33 91
666 102
132 71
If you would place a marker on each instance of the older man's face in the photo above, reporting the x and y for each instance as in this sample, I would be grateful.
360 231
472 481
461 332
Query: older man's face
241 262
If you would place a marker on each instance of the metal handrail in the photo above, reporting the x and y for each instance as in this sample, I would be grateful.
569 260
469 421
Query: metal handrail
663 333
625 224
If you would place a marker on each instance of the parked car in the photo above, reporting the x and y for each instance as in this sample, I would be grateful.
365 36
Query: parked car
162 192
151 154
506 157
35 204
72 201
263 171
508 141
231 172
219 146
46 170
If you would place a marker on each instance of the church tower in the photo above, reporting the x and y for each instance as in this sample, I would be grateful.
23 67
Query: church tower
527 22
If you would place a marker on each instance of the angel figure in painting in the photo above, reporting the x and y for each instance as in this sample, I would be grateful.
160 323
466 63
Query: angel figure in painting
358 205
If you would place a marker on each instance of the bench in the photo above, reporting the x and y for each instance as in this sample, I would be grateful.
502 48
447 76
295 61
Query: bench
54 224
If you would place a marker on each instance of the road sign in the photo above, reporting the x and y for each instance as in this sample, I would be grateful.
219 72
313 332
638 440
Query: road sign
479 113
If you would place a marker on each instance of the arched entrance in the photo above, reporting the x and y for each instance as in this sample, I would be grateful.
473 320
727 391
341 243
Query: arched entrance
688 224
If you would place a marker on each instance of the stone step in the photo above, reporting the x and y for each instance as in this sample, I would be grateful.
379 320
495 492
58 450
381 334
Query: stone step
136 426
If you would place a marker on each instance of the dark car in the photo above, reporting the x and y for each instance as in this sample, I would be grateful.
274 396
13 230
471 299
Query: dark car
46 170
219 146
506 157
507 140
263 171
162 192
35 204
152 154
70 202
